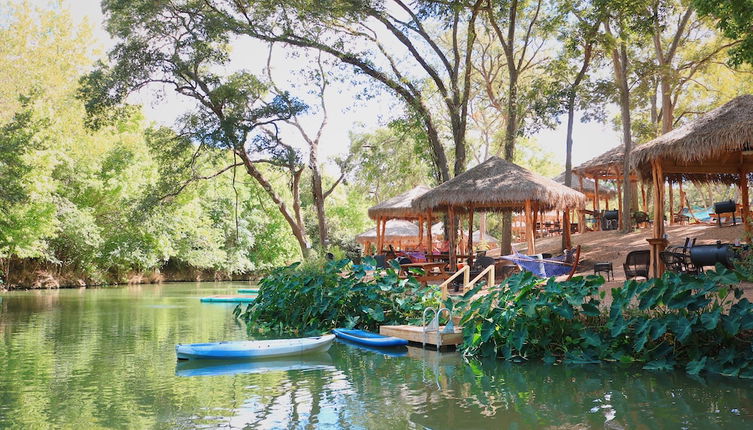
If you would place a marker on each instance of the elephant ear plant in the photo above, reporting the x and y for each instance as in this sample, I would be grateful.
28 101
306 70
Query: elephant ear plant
698 323
314 297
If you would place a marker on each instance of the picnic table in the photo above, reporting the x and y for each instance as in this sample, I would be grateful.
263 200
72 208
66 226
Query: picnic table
433 270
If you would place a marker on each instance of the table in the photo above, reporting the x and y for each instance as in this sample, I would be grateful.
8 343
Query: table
428 267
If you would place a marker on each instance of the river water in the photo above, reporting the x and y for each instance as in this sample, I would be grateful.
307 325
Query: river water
105 358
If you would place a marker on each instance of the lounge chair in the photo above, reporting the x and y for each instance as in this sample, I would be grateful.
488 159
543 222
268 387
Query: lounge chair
637 264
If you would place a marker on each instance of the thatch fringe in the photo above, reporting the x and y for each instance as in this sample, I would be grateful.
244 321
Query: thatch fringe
589 186
497 184
725 129
399 206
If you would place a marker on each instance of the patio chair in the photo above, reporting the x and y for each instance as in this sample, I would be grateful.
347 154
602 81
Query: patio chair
637 264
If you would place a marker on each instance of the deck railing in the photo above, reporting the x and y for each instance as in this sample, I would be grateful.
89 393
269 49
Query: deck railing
468 283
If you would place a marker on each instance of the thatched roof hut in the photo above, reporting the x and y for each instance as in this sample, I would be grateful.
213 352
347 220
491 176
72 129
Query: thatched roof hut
438 231
605 165
399 207
395 230
496 185
712 148
589 186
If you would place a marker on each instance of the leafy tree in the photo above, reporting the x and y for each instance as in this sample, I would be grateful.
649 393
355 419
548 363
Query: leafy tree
734 18
162 43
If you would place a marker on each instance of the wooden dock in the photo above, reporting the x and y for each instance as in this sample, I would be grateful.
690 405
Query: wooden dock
417 336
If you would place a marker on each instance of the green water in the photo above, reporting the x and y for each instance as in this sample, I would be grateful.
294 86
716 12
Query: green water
105 358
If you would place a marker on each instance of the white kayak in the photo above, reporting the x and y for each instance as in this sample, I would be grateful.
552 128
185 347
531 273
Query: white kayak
248 349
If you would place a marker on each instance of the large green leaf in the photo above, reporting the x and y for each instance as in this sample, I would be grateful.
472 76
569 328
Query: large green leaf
590 309
695 367
710 320
682 329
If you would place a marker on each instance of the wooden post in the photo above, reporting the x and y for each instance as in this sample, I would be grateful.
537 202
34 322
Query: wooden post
746 203
384 231
658 242
566 228
420 231
606 203
645 200
451 237
535 220
470 235
671 203
597 209
428 234
529 229
581 214
378 236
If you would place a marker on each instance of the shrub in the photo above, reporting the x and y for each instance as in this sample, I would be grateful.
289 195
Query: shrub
701 323
318 296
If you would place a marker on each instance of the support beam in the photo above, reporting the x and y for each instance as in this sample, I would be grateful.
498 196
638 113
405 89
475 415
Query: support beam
420 231
597 209
658 242
430 245
378 236
470 235
530 240
451 238
746 203
581 214
645 200
568 241
671 203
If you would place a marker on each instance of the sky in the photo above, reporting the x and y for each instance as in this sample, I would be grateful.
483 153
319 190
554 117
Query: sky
347 113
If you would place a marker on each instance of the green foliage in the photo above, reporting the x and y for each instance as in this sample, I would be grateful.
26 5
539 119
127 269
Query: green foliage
700 323
735 19
319 296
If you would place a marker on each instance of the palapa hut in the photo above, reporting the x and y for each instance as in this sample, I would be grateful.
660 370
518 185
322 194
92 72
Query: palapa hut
398 233
590 188
605 167
497 185
399 207
716 147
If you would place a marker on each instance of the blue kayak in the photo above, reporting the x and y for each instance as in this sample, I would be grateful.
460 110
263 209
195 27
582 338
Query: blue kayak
368 338
228 299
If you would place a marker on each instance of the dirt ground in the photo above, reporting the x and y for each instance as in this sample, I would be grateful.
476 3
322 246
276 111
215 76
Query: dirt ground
613 246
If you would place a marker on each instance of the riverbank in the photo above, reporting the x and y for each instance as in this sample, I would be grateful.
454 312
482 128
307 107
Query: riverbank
28 274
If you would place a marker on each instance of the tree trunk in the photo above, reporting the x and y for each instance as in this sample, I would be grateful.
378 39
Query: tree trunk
509 153
296 224
318 194
619 60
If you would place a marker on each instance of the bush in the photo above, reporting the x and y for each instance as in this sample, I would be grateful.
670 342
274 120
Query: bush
701 323
319 296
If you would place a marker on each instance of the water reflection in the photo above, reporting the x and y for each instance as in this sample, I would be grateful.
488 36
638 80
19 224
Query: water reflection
210 367
105 358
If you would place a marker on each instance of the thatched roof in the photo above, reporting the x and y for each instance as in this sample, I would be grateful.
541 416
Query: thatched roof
589 186
604 163
399 206
395 229
719 137
437 230
497 184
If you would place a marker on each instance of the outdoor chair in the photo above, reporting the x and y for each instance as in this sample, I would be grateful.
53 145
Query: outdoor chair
637 264
381 261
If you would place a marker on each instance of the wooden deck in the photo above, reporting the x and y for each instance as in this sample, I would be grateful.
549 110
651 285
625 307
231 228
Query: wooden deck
417 336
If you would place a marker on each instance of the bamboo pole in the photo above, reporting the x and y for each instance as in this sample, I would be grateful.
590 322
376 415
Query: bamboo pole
597 209
420 231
